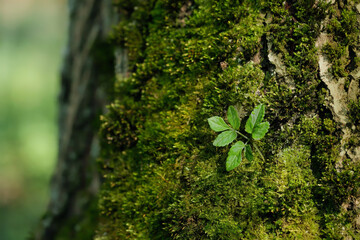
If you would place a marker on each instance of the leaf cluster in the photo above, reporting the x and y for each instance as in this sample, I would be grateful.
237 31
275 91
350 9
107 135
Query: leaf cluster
254 127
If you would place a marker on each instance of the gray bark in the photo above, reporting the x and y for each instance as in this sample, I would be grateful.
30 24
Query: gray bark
75 182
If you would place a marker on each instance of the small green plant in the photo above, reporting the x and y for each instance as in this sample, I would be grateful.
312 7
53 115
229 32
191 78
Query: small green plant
254 126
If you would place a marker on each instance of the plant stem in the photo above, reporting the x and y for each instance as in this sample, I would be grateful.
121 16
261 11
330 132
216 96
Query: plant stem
259 151
242 135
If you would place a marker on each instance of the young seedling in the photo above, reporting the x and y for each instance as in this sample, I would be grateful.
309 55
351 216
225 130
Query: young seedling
254 127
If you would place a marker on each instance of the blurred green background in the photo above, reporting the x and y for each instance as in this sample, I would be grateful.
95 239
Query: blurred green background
32 37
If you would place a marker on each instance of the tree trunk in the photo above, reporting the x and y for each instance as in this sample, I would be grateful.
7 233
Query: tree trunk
72 210
178 63
190 60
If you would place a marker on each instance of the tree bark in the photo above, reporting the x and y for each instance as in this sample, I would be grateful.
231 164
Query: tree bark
71 213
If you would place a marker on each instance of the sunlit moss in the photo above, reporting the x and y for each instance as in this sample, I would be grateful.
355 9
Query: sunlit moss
163 177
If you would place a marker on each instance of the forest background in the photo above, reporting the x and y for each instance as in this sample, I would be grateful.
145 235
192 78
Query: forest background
32 37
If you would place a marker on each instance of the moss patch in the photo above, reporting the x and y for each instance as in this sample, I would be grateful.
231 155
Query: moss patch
190 60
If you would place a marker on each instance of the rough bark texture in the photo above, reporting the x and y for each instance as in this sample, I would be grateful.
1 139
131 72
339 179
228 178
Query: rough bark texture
189 60
72 210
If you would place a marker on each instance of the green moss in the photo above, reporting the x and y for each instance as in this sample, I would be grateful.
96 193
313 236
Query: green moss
345 27
290 183
354 112
163 179
338 55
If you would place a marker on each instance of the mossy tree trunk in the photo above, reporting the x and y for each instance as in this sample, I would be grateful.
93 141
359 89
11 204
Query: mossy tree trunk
190 60
179 63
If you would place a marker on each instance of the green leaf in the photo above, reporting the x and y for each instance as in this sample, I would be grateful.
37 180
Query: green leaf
234 156
225 138
257 115
233 117
260 130
217 124
248 153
